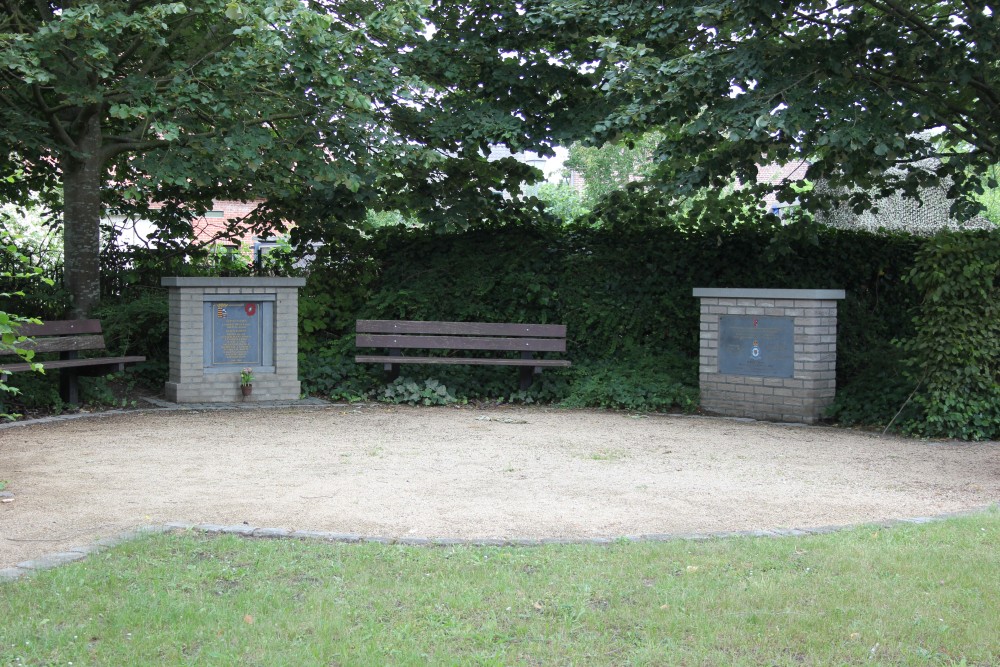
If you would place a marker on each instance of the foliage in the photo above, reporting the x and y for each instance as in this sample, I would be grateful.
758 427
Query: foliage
614 165
411 392
14 266
955 350
885 596
36 391
990 198
328 369
562 201
246 377
138 323
647 384
863 90
878 388
338 284
39 393
39 239
377 219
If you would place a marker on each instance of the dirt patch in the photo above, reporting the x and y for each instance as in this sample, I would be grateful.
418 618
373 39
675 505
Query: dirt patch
465 472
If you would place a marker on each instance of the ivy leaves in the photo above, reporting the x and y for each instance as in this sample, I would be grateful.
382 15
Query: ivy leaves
956 348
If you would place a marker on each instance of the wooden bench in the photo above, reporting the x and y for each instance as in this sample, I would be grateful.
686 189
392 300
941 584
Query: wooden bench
527 339
68 338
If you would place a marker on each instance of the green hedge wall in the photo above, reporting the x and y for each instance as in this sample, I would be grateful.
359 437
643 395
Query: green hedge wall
954 354
623 292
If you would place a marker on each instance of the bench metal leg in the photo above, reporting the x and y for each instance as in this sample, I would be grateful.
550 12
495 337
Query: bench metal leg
528 372
392 370
69 381
527 376
69 386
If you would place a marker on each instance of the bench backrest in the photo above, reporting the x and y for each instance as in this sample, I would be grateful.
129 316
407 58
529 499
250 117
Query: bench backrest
461 335
62 336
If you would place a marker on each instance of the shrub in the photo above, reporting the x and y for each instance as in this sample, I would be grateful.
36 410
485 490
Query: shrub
329 370
138 323
406 390
955 351
647 384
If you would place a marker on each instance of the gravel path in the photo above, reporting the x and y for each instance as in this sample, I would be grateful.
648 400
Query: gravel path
466 472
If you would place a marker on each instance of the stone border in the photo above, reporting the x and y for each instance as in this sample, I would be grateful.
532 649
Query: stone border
161 405
73 554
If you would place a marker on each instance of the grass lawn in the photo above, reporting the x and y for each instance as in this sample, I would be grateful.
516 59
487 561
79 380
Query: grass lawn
910 595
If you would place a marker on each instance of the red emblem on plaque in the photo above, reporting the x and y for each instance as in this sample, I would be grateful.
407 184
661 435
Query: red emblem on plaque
251 309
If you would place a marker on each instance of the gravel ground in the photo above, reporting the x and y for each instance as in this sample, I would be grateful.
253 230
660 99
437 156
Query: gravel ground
466 472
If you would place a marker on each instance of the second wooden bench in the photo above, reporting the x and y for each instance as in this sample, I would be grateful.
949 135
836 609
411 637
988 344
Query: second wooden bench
501 339
68 338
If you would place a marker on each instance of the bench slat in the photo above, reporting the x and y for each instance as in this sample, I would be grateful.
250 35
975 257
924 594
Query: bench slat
60 328
72 363
461 328
541 363
462 343
63 344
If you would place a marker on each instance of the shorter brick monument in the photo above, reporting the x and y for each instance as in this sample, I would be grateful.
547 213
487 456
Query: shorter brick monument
768 353
220 326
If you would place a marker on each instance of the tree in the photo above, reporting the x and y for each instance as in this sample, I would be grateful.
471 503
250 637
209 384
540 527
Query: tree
326 109
614 165
186 100
990 198
562 201
875 94
488 76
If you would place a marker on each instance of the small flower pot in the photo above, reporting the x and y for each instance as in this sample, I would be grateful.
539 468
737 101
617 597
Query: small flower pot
247 389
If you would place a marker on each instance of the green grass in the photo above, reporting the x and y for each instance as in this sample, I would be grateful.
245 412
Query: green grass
909 595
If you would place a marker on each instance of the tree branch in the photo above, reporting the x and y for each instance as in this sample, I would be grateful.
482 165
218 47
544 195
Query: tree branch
134 5
117 148
43 10
129 52
978 139
53 119
904 13
15 14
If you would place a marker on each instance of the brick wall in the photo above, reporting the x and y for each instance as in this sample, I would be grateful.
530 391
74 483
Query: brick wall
800 398
189 380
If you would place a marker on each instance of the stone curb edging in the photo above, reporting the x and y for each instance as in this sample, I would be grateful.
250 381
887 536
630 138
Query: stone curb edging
73 554
160 405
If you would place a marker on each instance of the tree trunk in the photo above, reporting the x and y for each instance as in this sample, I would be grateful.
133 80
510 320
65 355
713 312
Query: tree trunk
82 176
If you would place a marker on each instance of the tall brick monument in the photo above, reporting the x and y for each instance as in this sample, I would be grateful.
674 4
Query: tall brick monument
768 353
219 326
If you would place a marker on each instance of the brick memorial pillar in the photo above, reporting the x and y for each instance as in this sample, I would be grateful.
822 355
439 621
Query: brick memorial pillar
768 353
219 326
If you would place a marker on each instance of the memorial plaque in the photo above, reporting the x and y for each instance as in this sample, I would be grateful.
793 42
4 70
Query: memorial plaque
757 346
236 333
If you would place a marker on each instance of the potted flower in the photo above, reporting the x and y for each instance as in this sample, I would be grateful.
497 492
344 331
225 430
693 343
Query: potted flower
246 381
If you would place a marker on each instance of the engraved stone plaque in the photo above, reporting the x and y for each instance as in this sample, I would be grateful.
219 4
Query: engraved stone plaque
757 346
236 333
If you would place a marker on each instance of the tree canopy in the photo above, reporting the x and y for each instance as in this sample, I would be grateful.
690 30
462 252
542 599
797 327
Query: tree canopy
612 166
319 106
331 109
877 95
